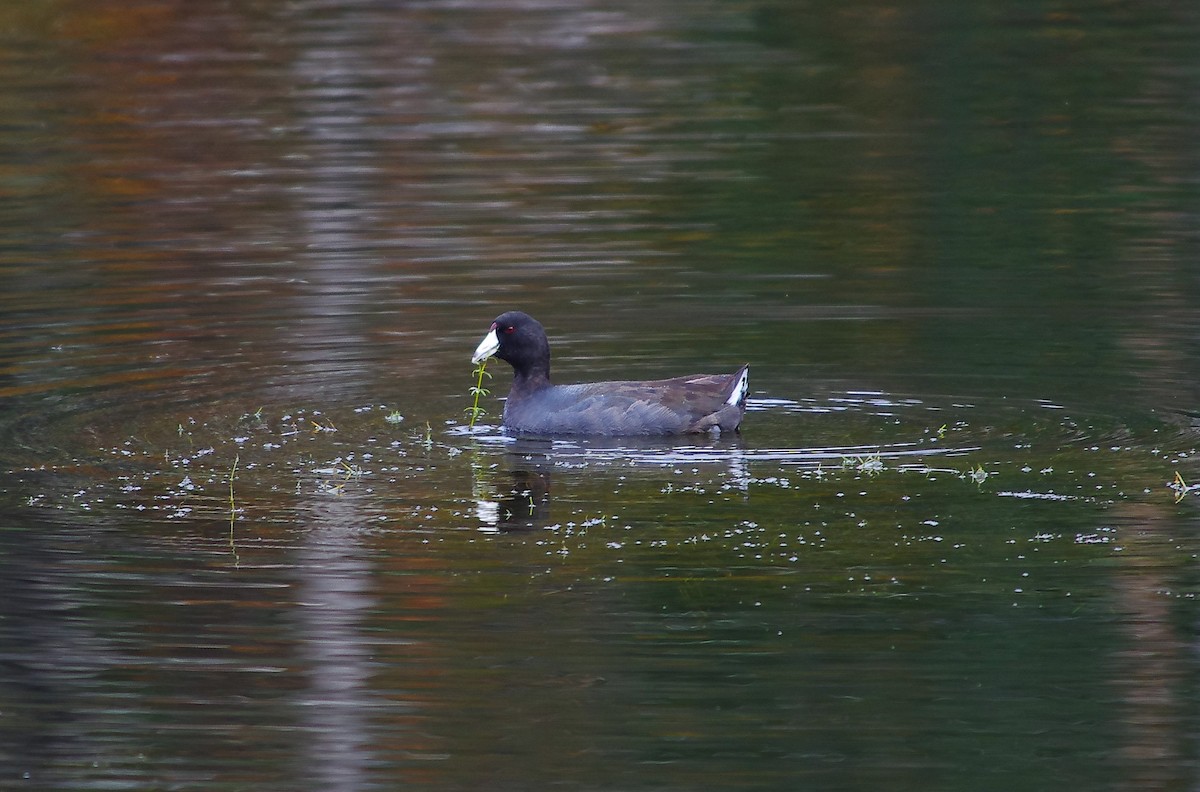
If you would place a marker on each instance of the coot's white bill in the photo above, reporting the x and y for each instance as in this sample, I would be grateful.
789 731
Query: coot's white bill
487 347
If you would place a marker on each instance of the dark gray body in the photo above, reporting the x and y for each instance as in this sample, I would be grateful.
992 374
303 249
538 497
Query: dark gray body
683 405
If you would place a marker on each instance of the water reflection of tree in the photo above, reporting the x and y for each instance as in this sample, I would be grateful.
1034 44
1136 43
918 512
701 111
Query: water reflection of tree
1157 670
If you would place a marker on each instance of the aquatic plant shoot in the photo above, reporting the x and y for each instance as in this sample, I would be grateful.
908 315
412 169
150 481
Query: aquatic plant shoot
477 390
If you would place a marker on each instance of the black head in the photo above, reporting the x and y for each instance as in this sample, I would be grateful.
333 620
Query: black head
519 339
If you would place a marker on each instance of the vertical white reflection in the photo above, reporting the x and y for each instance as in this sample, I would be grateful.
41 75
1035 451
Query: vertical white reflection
333 600
333 191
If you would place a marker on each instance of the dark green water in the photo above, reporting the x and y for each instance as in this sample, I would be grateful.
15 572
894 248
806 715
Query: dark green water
247 542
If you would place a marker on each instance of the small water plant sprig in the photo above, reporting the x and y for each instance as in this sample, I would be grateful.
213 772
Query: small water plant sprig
474 412
1181 487
233 507
978 475
871 464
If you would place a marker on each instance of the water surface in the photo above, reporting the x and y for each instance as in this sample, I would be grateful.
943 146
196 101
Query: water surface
248 541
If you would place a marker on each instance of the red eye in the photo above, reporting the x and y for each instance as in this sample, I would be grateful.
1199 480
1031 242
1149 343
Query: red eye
510 330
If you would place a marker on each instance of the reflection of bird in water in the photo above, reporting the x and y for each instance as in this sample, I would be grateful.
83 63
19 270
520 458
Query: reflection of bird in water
524 504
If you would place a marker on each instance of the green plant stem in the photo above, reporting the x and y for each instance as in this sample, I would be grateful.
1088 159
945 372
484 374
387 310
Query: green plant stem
478 390
233 507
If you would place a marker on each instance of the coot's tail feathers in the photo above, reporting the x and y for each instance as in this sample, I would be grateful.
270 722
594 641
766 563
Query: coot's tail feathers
729 417
740 386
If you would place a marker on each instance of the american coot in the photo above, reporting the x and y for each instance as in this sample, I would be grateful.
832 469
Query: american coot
699 403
